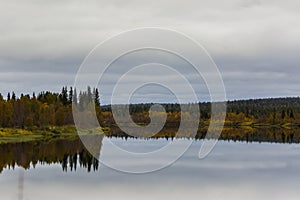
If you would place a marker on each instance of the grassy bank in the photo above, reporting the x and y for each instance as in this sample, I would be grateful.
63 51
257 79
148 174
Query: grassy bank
23 135
47 133
230 129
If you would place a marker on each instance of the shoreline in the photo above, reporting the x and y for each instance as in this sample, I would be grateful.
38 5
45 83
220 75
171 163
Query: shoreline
286 132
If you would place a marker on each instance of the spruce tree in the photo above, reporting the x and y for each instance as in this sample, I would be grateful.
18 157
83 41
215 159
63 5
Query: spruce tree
8 97
70 95
97 97
13 96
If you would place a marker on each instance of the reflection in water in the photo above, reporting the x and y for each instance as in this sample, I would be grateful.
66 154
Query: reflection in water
71 153
233 171
270 135
68 152
246 133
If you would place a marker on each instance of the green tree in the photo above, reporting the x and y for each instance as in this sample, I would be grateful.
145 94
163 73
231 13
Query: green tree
70 95
97 97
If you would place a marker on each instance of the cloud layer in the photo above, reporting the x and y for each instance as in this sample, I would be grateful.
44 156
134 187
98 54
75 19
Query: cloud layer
254 43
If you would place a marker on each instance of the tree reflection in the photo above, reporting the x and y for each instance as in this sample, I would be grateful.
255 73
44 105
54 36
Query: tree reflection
71 153
247 134
68 152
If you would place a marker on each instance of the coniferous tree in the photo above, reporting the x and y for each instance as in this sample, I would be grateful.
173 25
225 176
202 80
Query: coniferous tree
8 96
70 95
13 96
97 97
64 96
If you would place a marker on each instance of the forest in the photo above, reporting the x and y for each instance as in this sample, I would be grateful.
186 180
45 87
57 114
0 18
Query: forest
45 109
284 112
49 109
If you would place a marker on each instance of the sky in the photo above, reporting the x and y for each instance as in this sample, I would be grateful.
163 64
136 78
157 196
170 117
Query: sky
254 43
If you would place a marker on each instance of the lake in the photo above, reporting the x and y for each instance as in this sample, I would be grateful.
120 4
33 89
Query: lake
63 169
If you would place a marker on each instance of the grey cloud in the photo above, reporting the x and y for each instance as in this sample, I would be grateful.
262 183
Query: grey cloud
254 43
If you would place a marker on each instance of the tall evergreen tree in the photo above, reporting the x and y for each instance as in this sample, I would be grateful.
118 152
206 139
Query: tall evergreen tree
70 95
13 96
8 96
64 96
97 97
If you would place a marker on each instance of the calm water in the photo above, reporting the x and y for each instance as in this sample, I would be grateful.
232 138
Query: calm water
233 170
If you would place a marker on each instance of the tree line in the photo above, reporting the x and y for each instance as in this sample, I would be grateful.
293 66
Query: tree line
272 111
45 109
55 109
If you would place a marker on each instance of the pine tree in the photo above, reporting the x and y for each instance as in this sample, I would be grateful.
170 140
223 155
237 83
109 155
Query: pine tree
13 96
70 95
97 97
64 96
8 96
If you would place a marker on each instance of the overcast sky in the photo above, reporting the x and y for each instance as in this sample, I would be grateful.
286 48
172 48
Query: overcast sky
254 43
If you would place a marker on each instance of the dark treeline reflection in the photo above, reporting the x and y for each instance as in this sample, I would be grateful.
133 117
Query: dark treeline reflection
247 134
70 153
270 135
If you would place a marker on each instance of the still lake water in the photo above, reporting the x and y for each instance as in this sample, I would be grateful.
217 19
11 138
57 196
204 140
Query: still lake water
233 170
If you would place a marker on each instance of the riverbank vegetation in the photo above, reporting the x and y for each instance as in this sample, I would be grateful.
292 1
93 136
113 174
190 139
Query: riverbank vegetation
49 114
273 112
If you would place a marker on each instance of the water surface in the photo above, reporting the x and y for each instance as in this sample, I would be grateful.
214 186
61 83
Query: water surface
233 170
